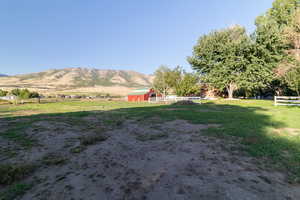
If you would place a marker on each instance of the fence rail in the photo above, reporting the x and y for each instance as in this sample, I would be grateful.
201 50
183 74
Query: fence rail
172 99
286 101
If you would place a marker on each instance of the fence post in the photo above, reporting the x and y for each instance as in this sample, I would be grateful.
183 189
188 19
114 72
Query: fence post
275 99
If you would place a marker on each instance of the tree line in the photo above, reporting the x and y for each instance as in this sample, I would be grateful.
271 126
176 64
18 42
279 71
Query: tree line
21 93
266 62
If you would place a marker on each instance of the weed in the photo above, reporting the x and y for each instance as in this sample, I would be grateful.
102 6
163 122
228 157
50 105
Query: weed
7 152
92 139
54 159
77 149
15 191
147 137
9 173
17 134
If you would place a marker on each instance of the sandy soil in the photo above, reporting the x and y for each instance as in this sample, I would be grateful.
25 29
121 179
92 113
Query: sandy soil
167 161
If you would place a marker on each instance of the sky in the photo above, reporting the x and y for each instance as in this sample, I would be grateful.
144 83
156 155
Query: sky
135 35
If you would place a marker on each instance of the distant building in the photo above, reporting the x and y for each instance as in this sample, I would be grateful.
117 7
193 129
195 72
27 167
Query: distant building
141 94
8 98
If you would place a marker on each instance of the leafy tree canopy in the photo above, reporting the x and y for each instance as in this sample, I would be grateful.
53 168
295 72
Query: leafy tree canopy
224 59
188 85
292 79
176 81
164 80
277 38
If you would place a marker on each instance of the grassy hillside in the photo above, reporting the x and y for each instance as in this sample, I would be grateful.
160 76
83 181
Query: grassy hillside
118 81
78 77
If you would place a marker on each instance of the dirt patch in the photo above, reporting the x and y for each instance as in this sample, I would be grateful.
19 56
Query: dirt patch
183 126
174 161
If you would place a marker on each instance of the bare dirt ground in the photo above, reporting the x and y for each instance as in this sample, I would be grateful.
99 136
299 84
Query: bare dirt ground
143 160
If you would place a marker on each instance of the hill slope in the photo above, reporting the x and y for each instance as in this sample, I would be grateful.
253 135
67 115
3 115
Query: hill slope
79 80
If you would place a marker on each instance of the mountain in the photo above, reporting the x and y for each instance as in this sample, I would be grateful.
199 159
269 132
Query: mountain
79 80
1 75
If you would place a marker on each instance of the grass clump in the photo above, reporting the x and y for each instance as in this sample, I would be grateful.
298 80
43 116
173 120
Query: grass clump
15 191
92 139
9 173
54 159
17 134
77 149
147 137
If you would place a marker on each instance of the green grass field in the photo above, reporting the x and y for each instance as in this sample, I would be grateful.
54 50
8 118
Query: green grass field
268 132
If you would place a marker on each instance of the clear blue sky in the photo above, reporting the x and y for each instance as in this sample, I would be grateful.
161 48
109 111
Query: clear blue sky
37 35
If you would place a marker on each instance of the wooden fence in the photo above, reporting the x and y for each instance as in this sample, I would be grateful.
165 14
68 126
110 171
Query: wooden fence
286 101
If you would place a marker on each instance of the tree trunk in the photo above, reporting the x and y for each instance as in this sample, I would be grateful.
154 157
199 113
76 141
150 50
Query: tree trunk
230 89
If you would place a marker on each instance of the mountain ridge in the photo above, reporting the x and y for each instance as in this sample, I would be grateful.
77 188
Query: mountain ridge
76 78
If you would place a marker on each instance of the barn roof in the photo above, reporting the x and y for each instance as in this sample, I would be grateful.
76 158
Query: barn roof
139 91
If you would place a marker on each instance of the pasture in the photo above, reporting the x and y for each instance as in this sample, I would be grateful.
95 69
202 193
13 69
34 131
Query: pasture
116 149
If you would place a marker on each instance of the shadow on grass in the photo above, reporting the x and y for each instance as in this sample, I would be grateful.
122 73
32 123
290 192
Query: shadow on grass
251 124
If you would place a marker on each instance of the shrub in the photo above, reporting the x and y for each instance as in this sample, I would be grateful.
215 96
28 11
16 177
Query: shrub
24 93
3 93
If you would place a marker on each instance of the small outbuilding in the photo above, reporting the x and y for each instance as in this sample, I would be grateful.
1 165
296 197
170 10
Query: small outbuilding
141 94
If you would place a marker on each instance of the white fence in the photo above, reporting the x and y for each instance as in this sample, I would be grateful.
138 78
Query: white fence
286 101
172 98
7 98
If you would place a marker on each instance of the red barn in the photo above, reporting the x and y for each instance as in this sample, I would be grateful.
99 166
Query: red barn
141 94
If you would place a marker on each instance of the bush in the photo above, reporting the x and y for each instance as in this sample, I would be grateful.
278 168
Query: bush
25 93
3 93
16 92
34 95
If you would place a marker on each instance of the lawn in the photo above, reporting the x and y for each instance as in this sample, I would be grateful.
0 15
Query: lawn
269 133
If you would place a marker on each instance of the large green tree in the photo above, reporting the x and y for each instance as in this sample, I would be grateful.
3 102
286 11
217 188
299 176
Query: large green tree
292 79
222 58
277 39
188 85
176 81
165 79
